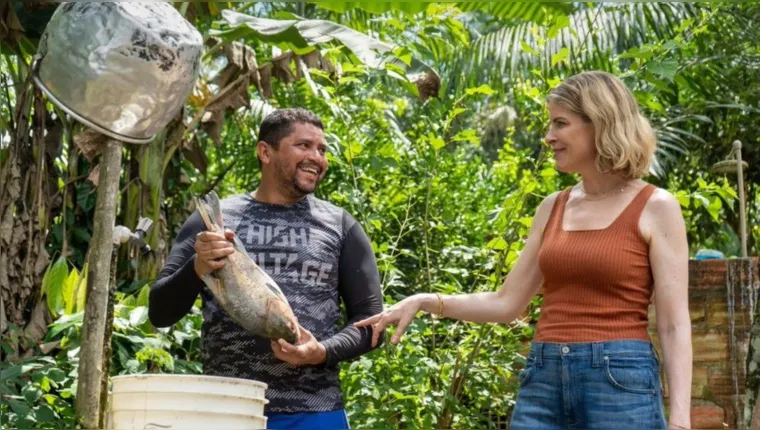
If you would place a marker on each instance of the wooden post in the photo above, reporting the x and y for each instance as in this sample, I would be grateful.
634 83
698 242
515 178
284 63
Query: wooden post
91 354
107 336
740 181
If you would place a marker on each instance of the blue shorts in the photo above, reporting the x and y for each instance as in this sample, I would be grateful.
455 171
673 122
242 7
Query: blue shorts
599 385
309 420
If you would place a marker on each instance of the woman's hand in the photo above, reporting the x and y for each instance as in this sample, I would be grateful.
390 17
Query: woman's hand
401 314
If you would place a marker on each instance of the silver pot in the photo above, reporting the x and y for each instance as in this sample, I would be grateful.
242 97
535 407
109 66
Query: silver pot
122 68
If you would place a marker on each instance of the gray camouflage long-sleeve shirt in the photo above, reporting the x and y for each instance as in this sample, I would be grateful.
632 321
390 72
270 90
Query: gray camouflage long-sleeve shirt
318 255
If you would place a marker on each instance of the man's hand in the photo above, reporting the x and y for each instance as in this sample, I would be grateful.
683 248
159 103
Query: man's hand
306 350
211 249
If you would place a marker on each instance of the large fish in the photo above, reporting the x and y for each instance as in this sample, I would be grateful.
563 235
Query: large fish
243 289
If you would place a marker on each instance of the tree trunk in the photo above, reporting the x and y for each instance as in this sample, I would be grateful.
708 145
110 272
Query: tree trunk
96 310
26 174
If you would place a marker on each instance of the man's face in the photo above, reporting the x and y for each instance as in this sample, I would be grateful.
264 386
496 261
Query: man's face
300 162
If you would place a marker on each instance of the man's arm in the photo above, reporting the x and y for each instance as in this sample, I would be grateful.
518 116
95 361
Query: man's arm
359 287
177 287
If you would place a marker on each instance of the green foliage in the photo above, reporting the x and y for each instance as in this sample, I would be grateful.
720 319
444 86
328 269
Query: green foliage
158 360
53 285
65 290
301 36
39 392
588 38
372 7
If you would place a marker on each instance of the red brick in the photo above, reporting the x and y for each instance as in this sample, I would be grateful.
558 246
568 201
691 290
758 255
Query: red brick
718 314
721 381
700 380
729 403
710 346
706 415
697 310
707 274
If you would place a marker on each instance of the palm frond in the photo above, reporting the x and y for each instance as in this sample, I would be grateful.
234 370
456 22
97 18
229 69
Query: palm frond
590 41
674 139
259 109
375 7
523 11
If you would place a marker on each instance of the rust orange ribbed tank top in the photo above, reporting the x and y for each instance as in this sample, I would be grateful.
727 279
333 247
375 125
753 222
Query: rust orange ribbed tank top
597 283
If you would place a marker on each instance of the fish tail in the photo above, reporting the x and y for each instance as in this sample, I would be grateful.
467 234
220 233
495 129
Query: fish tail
210 211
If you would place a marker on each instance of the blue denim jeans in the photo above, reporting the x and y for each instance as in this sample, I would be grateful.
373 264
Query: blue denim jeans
597 385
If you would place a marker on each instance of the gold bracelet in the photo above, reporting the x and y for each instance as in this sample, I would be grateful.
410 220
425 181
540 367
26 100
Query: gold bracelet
440 306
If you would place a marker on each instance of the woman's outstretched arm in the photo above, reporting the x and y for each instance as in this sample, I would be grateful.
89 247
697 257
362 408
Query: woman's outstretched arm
502 306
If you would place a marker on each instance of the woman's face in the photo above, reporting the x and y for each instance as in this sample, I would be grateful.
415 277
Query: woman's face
572 140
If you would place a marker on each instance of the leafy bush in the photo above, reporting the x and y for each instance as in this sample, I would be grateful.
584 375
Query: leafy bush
39 392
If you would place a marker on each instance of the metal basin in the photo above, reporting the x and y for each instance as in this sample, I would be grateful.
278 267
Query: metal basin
122 68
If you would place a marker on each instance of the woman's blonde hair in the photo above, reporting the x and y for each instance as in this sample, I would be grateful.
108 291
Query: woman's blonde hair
625 141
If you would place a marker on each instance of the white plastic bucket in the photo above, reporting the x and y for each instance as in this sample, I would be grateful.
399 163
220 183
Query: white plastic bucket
168 383
158 419
186 401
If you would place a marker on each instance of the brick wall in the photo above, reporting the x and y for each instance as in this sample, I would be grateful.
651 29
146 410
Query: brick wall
720 347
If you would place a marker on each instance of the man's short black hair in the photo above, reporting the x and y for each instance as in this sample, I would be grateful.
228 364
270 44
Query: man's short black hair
279 124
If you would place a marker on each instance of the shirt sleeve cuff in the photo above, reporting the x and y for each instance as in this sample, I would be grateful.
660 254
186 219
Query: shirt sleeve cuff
330 358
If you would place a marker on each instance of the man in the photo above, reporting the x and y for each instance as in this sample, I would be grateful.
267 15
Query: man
316 252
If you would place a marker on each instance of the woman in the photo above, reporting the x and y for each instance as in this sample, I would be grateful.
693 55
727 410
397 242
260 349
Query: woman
602 250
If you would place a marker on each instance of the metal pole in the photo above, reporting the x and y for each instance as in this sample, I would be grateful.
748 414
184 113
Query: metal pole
91 354
742 209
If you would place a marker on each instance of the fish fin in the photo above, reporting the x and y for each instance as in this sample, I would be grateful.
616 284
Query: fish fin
272 285
213 284
275 289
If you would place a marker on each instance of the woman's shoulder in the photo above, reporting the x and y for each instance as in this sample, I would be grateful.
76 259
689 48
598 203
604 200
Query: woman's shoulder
548 202
662 201
661 216
544 210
